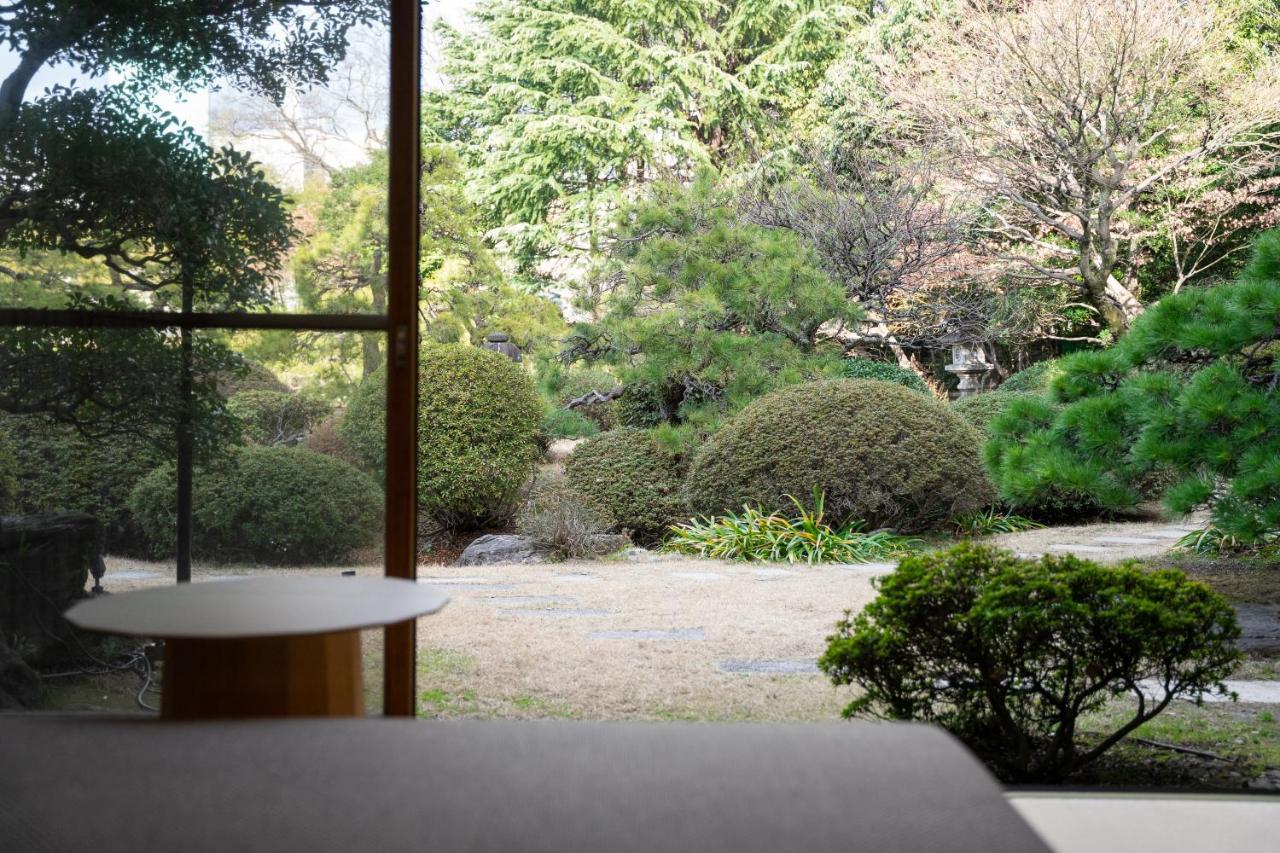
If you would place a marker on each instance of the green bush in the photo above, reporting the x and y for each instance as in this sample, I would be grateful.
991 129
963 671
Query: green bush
1007 654
273 505
640 406
55 468
629 477
478 423
865 368
8 477
567 423
1033 379
1186 404
881 453
276 417
561 385
979 410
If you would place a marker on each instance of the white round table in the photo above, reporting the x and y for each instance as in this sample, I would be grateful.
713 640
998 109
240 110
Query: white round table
260 647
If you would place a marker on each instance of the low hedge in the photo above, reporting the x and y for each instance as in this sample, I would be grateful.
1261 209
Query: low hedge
272 505
865 368
881 453
634 481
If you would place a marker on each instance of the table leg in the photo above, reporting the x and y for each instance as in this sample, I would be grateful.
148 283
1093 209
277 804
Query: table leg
317 675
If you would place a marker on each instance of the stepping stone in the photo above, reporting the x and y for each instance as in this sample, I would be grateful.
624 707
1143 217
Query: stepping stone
1028 555
772 573
1128 540
769 667
575 577
1086 549
1168 533
532 599
677 634
1259 627
698 576
549 613
129 576
1258 692
872 568
467 583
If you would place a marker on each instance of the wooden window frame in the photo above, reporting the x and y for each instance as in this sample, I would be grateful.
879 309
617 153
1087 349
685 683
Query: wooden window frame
399 324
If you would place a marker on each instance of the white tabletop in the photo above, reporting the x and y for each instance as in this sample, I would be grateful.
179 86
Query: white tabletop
258 607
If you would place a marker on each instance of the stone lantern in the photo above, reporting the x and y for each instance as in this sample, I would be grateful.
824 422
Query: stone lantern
501 342
969 363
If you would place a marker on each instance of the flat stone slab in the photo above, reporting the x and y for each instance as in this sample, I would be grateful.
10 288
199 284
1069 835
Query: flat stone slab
769 667
556 613
576 577
773 573
1084 549
1258 692
699 576
1168 533
1259 626
1028 555
467 583
870 568
644 634
130 575
1128 540
532 599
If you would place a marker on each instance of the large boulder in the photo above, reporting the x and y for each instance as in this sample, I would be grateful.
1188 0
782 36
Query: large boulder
500 548
44 564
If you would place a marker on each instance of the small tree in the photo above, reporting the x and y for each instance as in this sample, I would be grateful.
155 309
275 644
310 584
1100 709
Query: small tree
710 310
1008 654
1193 388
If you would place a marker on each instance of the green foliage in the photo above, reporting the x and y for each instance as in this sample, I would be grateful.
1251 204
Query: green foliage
478 420
561 106
567 423
881 453
641 406
1034 379
865 368
712 311
1007 654
802 537
271 505
561 385
274 417
980 410
54 467
1190 390
565 525
8 473
990 521
628 476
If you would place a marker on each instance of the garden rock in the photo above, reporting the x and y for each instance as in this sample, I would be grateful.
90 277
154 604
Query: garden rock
1259 627
500 548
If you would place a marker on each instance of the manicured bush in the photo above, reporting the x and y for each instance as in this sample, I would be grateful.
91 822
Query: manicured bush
324 438
881 453
865 368
273 505
562 523
1186 404
640 406
1034 379
55 468
567 423
276 417
979 410
478 421
251 376
1007 654
627 475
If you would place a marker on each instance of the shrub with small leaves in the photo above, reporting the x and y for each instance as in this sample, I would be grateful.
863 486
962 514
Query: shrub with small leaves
1033 379
628 476
1007 654
276 417
980 410
865 368
567 423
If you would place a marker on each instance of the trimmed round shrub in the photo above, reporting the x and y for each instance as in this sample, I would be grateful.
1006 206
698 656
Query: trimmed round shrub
979 410
276 417
882 454
639 407
1034 379
55 468
324 438
478 427
627 475
865 368
252 377
1008 654
271 505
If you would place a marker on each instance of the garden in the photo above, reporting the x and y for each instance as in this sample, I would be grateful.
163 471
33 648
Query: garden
778 362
